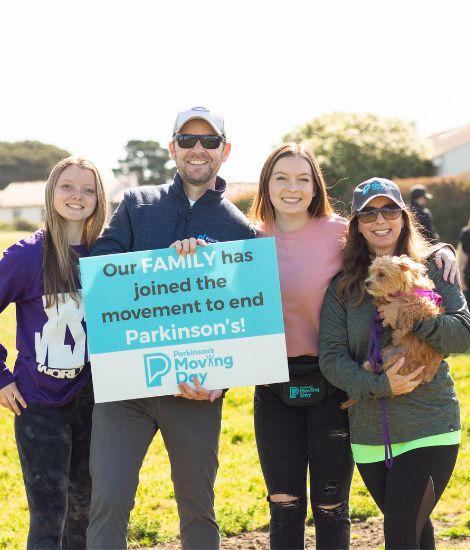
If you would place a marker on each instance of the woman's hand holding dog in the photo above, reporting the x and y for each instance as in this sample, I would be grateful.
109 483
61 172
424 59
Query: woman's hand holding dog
402 384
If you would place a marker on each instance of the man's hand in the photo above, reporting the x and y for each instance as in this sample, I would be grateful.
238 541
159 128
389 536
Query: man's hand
9 395
445 257
184 247
187 246
389 312
198 393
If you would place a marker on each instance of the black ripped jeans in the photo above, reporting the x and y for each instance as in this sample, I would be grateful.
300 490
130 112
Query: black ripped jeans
289 440
54 447
408 492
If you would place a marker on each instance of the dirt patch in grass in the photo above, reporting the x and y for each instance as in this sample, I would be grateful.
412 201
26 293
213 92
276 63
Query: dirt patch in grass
365 535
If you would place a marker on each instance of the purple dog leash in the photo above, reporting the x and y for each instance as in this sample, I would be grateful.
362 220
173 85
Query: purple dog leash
375 360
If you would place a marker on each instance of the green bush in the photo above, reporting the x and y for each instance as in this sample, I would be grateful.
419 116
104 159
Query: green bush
19 225
24 225
450 205
27 160
353 147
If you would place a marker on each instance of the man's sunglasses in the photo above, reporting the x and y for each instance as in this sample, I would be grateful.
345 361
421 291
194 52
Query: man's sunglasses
369 215
188 141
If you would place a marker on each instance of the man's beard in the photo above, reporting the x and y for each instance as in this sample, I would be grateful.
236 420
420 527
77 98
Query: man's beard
201 180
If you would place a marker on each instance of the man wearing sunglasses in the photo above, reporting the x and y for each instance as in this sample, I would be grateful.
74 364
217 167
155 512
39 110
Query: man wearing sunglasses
198 148
192 207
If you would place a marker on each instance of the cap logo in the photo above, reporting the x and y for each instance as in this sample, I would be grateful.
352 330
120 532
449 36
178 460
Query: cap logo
376 186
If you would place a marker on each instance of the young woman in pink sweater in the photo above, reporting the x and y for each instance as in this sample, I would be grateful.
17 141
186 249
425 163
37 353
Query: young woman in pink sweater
299 425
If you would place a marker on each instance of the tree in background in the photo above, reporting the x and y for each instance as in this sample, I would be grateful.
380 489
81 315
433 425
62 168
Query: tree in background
353 147
148 160
27 160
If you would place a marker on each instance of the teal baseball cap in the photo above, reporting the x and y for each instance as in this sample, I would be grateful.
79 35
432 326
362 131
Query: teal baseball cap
375 187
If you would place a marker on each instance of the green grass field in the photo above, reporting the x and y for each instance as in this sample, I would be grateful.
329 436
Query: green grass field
240 492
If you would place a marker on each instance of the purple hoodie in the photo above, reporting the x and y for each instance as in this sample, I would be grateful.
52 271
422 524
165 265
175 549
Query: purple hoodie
52 363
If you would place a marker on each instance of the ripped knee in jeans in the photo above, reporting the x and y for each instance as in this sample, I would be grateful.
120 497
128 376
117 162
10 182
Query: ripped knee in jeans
284 501
330 512
340 433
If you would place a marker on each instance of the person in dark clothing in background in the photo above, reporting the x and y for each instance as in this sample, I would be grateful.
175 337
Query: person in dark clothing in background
463 256
418 200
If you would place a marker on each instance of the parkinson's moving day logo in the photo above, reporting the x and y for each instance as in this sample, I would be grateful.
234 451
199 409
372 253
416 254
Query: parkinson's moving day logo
185 365
156 366
303 392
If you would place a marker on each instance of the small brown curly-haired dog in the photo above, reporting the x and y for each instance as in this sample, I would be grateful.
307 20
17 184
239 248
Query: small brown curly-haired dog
400 276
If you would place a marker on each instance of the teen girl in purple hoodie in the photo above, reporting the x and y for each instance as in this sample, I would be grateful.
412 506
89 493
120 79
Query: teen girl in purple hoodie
50 390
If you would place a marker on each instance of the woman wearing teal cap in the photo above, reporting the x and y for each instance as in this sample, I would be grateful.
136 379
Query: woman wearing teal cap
421 424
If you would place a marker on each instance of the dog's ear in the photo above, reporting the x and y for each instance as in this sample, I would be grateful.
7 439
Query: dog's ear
414 274
407 264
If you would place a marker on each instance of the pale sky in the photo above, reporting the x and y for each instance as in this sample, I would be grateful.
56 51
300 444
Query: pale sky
90 75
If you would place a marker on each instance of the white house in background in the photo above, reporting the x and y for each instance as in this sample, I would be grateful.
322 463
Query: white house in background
451 151
23 200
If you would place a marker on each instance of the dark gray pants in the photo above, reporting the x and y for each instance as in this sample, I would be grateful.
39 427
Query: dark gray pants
122 432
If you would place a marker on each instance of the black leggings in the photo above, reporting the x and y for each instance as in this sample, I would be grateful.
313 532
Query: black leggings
54 446
407 493
292 439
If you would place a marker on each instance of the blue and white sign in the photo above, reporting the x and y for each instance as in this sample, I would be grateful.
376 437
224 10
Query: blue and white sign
156 319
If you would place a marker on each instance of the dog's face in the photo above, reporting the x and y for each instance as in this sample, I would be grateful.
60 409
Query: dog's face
395 275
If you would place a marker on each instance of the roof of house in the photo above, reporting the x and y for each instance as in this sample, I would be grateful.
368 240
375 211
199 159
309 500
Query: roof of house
24 194
443 142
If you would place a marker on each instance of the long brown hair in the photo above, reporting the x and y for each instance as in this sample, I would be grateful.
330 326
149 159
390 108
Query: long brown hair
262 211
357 256
60 261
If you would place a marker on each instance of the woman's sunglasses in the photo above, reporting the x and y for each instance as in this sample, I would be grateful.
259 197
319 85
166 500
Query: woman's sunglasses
369 215
188 141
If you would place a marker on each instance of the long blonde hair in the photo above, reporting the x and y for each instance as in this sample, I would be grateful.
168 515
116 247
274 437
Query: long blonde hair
60 261
262 210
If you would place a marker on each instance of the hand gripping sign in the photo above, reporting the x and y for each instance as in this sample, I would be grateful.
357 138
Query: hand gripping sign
156 319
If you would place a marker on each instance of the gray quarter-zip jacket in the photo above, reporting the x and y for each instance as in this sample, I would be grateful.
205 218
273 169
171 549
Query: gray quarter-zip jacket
431 408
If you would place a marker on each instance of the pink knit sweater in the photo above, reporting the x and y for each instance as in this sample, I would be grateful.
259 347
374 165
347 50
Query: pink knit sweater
308 259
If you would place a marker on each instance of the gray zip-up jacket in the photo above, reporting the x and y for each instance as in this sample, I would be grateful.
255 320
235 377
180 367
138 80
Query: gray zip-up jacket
431 408
152 217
